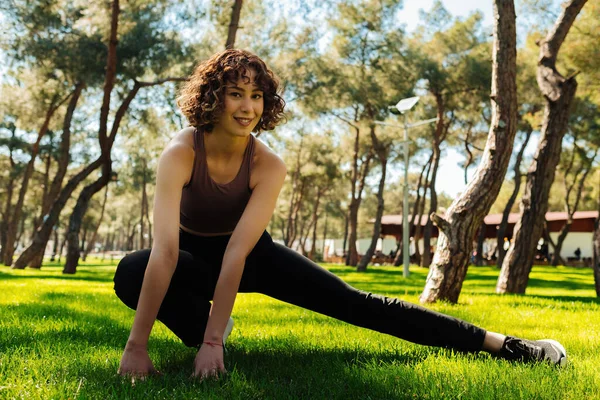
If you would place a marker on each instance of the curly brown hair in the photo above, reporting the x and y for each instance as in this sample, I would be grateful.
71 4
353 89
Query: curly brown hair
202 97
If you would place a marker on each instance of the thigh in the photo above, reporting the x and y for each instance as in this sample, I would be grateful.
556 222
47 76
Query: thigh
191 275
288 276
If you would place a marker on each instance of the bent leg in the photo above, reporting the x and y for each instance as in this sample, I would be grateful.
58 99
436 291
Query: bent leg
288 276
185 308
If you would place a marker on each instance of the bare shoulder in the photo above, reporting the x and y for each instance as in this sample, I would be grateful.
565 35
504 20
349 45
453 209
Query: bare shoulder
184 137
177 158
266 158
266 164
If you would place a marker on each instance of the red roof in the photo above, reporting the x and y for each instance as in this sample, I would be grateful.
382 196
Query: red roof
495 219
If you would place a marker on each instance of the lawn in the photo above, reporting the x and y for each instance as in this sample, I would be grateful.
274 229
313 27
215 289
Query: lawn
61 337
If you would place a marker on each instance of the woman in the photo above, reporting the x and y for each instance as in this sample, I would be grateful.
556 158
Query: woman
216 189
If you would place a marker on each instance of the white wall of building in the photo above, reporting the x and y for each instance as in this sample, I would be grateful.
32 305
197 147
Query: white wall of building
583 240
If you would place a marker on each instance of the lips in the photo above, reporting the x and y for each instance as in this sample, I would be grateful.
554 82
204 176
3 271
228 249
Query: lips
244 121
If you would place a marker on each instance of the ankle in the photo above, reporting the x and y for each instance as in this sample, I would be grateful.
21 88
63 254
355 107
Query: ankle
493 342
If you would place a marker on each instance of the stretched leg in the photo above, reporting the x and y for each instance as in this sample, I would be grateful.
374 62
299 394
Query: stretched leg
186 306
286 275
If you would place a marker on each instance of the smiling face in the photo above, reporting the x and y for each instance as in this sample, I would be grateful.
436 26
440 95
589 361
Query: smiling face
243 106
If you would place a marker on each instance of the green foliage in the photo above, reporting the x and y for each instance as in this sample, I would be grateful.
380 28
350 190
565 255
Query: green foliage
62 337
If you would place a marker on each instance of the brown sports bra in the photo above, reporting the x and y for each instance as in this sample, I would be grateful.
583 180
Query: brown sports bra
210 207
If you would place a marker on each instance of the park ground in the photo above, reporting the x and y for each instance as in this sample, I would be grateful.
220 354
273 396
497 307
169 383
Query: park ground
61 337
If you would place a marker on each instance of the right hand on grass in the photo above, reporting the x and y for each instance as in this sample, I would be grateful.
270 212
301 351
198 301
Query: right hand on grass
136 363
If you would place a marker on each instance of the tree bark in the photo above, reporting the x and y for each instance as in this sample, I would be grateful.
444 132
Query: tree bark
426 259
92 240
315 220
234 24
465 215
73 249
295 200
571 210
143 203
558 93
382 154
480 240
511 201
17 210
43 233
352 256
55 246
12 175
63 164
596 260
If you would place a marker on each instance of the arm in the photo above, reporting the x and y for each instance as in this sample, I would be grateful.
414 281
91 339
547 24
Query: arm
271 173
173 171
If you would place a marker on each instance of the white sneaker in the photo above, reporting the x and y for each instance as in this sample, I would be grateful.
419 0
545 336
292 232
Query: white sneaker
228 330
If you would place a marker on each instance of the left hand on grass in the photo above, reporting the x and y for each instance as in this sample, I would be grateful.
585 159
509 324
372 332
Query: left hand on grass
209 362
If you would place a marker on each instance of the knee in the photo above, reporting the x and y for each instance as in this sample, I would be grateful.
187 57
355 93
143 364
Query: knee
129 277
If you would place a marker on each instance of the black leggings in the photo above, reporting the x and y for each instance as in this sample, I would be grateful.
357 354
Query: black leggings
279 272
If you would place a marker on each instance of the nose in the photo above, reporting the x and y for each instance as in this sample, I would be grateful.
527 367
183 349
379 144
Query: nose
246 105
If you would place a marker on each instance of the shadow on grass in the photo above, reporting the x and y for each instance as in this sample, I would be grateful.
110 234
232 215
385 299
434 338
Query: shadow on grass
272 369
100 276
49 325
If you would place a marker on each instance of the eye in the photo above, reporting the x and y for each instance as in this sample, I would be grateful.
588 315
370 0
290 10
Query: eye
257 96
235 94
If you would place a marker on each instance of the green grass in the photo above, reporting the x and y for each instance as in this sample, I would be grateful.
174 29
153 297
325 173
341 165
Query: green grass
62 336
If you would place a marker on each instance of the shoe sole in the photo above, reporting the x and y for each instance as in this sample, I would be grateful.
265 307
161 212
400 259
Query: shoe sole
563 359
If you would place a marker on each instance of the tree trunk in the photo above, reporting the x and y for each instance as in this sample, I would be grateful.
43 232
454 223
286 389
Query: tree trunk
346 232
511 201
73 250
43 233
92 240
558 93
62 246
83 239
105 140
63 163
11 232
571 210
382 153
55 247
143 206
295 200
325 235
480 239
426 260
45 184
315 219
465 215
352 257
12 175
234 24
596 261
418 214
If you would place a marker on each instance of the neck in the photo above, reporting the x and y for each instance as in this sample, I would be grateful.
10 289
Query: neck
220 144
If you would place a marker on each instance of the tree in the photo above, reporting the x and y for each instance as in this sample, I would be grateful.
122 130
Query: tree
573 189
130 63
382 147
236 9
465 215
558 92
511 201
452 65
596 246
13 221
104 139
